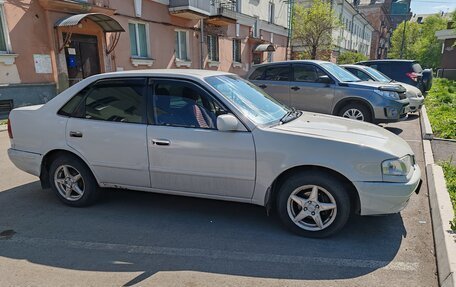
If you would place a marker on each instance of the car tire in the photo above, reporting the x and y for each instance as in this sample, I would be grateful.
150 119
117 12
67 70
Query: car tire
303 195
72 181
356 111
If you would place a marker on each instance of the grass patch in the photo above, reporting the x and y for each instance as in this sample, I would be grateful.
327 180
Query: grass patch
3 122
441 107
450 177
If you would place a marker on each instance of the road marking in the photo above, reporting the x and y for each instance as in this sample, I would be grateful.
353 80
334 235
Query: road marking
215 254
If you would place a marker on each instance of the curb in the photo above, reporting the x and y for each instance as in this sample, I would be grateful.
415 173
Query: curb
426 128
441 214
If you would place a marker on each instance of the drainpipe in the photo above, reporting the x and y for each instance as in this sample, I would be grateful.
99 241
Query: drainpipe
201 43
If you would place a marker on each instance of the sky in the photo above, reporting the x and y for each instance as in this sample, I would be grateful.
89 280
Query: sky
432 6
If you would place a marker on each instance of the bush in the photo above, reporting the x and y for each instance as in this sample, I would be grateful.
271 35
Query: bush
441 106
450 178
350 58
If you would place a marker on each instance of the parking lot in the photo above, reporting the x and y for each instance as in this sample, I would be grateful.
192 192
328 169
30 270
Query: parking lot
135 238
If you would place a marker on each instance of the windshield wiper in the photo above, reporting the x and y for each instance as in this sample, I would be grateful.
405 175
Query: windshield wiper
290 115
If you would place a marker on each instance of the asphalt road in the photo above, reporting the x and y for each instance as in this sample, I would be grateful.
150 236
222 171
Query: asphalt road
144 239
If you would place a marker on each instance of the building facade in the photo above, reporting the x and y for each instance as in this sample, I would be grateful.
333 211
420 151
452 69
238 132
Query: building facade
448 57
48 45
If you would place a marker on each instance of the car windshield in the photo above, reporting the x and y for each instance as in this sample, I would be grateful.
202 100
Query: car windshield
255 104
379 76
340 73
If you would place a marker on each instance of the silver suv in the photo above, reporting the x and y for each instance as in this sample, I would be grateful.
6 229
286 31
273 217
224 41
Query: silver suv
324 87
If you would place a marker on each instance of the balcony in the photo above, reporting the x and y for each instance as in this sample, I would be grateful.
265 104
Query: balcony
190 9
223 12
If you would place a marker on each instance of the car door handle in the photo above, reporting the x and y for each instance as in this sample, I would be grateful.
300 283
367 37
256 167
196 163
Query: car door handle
295 88
75 134
262 86
161 142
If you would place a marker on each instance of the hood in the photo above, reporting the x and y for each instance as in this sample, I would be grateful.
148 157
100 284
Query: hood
376 85
411 91
347 130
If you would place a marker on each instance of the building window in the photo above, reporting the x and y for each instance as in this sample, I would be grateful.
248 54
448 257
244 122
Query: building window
270 57
238 6
237 50
138 40
271 12
213 48
181 45
255 28
3 31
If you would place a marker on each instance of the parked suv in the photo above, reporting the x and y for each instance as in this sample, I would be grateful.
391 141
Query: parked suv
324 87
405 71
366 73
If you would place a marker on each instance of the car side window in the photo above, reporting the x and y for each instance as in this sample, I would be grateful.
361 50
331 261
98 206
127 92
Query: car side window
307 73
69 108
117 100
277 73
257 74
183 104
360 74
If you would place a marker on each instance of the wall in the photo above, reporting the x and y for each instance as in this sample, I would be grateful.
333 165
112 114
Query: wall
260 8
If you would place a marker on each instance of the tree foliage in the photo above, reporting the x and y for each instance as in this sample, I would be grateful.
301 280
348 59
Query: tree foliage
350 58
312 27
420 42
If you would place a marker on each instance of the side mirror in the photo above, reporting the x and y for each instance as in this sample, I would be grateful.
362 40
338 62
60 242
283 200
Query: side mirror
325 80
227 122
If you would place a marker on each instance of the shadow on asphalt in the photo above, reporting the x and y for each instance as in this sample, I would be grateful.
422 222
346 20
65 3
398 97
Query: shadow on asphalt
145 219
396 131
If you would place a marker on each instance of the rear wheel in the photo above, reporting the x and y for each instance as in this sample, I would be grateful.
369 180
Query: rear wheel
313 204
72 181
356 111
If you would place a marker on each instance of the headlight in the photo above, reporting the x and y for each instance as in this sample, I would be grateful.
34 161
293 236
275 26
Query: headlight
388 94
398 167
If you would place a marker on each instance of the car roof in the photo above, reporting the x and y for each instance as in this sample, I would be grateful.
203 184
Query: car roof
389 60
194 73
354 66
290 62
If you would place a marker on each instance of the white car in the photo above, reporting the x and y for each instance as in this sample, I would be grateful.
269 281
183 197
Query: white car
365 73
212 135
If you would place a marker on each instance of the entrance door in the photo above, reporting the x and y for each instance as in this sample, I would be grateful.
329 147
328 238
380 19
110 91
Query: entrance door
82 57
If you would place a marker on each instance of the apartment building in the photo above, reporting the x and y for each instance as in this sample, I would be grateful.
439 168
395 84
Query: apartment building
355 34
49 45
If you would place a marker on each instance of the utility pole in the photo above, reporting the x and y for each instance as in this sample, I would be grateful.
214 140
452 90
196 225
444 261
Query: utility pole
403 39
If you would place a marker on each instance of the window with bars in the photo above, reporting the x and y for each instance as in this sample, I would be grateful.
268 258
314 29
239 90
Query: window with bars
213 48
181 45
138 40
237 50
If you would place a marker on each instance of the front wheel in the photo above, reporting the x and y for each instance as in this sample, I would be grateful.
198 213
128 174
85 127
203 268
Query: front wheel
72 181
313 204
356 111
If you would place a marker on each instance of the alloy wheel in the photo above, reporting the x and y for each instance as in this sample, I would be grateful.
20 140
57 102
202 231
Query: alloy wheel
353 114
69 182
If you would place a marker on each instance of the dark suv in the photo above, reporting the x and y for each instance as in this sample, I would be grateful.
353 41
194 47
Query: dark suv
405 71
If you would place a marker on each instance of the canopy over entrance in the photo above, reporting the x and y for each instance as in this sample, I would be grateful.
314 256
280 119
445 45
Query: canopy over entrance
264 48
107 23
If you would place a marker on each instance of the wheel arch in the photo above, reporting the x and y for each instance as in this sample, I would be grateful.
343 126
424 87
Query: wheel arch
271 194
51 156
347 101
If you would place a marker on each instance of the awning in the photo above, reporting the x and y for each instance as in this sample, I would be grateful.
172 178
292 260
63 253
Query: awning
264 48
107 23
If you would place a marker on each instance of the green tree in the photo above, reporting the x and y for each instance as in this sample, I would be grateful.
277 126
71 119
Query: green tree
420 41
312 27
350 58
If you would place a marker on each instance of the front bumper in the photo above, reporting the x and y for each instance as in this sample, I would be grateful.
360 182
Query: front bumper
387 197
391 111
415 104
27 161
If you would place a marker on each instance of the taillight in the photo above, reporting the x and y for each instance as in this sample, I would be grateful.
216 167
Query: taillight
413 76
10 131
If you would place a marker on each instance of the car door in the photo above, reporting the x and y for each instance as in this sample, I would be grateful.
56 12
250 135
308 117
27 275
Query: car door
187 154
307 93
109 131
275 81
